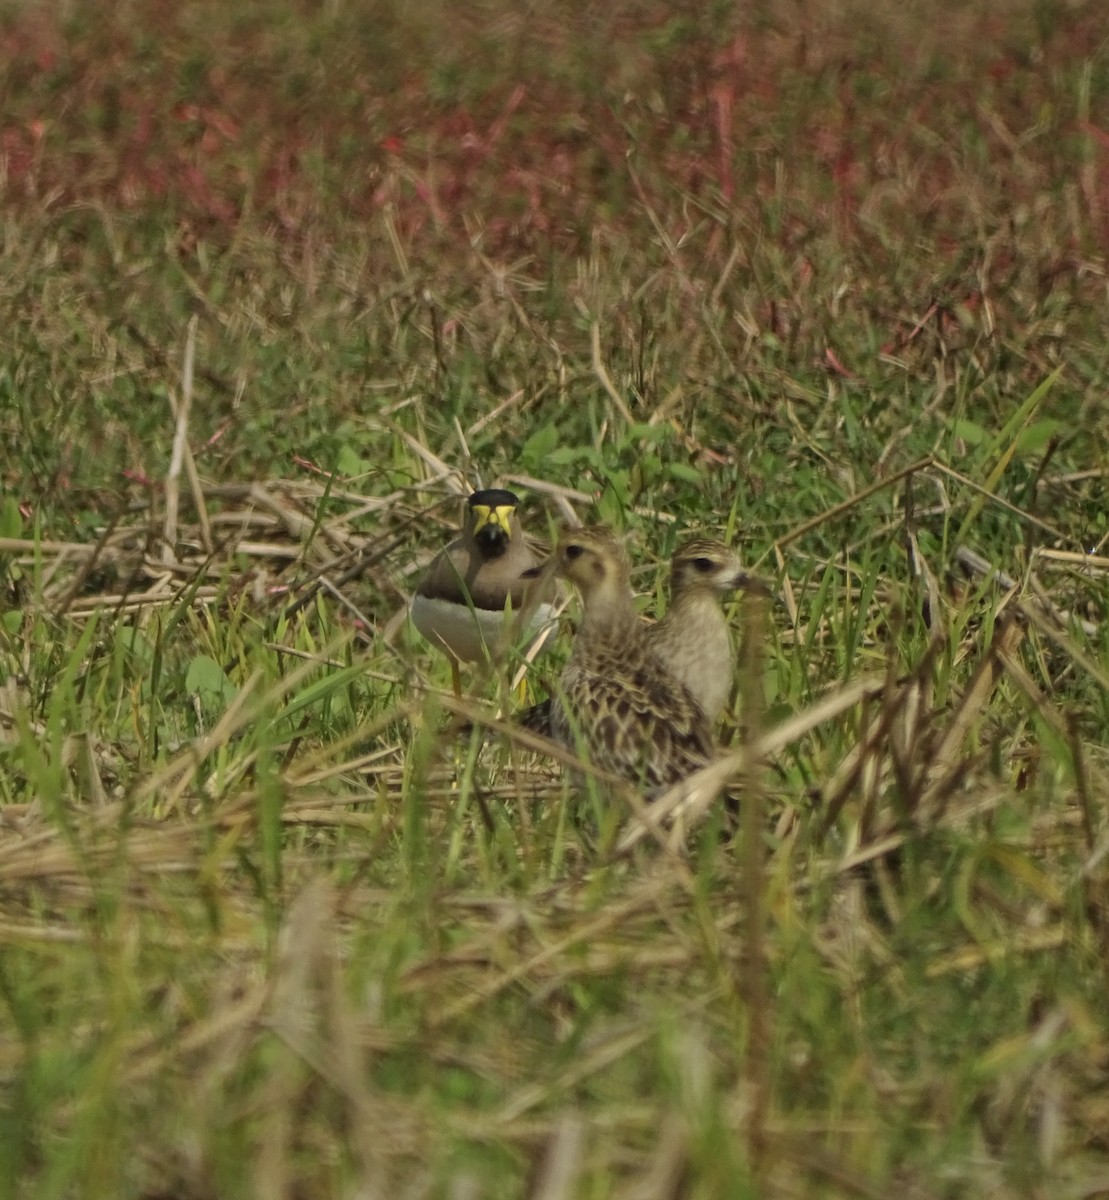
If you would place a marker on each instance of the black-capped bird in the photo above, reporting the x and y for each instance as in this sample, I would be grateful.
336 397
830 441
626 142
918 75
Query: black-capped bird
478 592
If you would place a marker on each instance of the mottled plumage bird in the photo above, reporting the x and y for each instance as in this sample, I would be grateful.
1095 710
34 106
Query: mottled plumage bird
693 639
469 603
616 701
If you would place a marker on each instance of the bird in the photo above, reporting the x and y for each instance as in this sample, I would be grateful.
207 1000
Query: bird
616 700
484 584
693 639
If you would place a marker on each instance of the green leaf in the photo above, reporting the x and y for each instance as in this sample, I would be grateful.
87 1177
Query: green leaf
615 498
968 431
655 434
564 455
1021 418
11 519
350 462
208 681
541 443
1037 435
686 473
619 483
649 467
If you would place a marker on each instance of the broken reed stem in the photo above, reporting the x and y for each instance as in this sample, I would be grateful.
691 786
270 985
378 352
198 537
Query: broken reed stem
756 984
605 379
180 411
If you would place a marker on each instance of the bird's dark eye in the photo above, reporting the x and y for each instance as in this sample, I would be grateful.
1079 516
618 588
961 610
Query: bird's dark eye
703 565
574 550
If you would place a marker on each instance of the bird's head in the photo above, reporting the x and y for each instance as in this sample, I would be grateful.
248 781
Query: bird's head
491 519
594 560
707 565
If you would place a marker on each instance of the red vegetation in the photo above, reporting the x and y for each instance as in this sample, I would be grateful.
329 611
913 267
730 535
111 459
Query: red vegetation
301 120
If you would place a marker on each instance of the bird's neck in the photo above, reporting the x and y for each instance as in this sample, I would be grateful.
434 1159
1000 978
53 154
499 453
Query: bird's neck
699 619
695 608
608 613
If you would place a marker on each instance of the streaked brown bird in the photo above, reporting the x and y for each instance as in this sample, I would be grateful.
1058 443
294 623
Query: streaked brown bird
693 639
472 602
616 701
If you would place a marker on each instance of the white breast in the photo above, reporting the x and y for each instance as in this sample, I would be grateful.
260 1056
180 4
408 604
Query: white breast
470 633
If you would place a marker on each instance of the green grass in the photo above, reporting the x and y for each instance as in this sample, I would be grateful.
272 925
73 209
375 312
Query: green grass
264 929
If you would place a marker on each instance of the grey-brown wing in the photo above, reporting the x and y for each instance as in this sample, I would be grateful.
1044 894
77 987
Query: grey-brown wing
634 721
